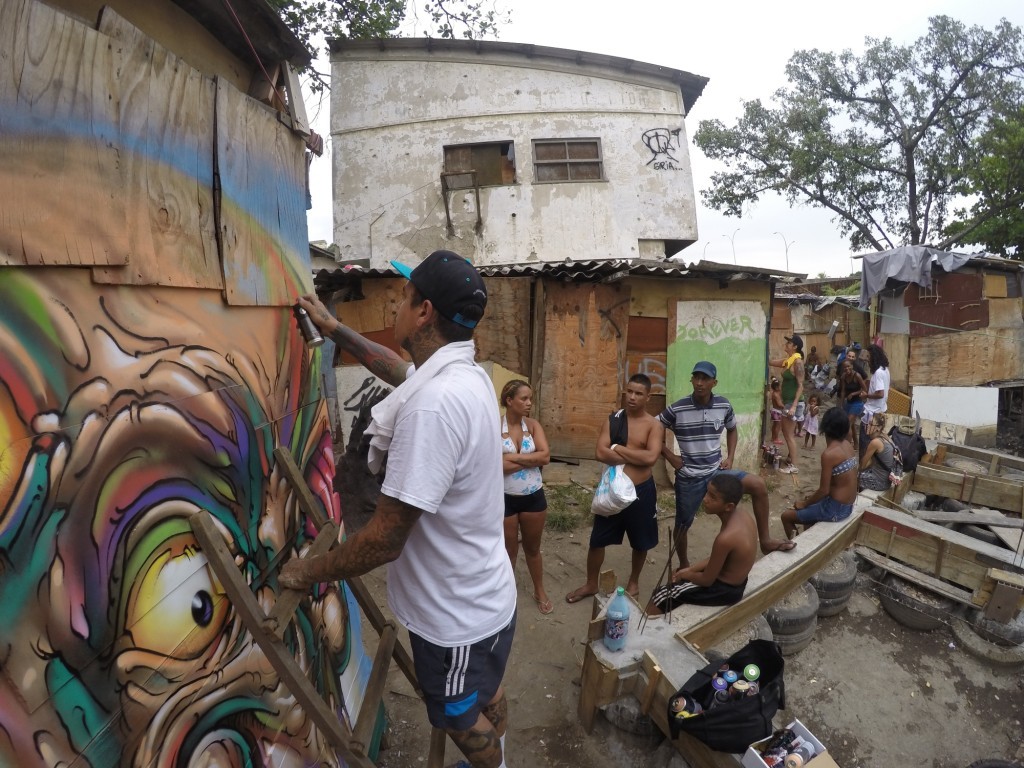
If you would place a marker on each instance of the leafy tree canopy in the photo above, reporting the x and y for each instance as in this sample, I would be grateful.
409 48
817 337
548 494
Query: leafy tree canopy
313 21
886 140
996 220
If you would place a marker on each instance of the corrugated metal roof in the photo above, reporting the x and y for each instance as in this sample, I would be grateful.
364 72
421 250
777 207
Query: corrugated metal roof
597 270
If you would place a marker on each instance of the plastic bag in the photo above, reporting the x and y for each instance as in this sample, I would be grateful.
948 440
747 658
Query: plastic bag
614 493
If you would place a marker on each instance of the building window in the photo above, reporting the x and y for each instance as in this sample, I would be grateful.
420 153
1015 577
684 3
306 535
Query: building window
568 160
492 164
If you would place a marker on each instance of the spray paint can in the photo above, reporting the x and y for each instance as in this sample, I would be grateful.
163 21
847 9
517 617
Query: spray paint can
308 328
730 676
799 756
751 672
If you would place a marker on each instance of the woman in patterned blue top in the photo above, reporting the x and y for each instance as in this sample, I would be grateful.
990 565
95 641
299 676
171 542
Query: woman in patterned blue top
524 451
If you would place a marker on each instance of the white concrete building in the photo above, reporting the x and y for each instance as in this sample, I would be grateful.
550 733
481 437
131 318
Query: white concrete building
507 153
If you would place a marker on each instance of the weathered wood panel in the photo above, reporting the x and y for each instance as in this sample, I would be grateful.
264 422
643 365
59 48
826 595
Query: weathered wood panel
584 350
897 349
166 125
60 180
262 217
955 359
1005 313
503 336
995 286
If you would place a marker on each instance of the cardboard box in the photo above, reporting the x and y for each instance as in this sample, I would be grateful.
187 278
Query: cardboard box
822 759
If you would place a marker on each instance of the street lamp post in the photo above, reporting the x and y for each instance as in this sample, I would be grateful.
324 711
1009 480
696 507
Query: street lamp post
787 246
732 239
704 253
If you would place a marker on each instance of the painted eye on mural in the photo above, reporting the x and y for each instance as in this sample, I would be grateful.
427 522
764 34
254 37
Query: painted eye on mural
176 606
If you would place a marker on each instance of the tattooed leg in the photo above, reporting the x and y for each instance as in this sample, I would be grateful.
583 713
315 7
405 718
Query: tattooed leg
481 744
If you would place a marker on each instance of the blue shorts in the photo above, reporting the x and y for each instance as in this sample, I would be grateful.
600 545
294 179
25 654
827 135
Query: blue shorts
827 510
639 521
853 407
690 492
459 682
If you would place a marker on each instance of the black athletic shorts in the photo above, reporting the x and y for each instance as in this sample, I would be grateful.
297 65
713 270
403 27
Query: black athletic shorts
687 593
532 502
639 521
459 682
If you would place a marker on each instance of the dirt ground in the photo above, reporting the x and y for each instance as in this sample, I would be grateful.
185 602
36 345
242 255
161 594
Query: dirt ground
875 693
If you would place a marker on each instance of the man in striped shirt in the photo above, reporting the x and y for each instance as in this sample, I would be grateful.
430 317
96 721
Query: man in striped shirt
697 422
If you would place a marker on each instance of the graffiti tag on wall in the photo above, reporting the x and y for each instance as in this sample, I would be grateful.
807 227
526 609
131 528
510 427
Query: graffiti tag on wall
662 142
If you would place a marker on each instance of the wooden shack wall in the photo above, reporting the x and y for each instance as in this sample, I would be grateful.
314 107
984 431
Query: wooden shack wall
813 326
134 394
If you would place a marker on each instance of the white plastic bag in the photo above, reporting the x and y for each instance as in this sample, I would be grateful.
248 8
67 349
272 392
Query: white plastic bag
614 493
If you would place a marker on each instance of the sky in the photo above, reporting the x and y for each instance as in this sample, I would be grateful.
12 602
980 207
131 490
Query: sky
743 47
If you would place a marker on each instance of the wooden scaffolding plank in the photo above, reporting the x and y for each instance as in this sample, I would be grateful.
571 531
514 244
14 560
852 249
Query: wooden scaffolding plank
288 600
916 577
373 694
212 543
968 487
970 517
307 501
899 536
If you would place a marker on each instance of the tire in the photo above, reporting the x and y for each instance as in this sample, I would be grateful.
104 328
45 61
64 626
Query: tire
625 713
755 629
792 644
837 578
995 764
832 606
912 607
952 505
795 612
1005 657
1007 635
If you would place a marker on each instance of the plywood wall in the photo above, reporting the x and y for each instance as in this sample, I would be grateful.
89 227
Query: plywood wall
583 348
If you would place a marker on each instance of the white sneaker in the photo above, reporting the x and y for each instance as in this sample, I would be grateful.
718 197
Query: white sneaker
789 469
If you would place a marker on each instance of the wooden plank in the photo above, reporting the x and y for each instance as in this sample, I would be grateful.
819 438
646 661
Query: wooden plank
598 682
211 541
288 599
916 577
261 205
435 757
916 543
166 118
296 104
780 574
653 678
373 693
970 517
372 612
584 352
983 455
61 181
308 503
968 487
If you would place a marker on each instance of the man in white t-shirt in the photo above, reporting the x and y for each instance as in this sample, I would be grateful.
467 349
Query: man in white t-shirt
439 520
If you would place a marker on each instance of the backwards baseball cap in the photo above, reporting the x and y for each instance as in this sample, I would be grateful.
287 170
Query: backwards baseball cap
451 284
708 369
797 340
855 347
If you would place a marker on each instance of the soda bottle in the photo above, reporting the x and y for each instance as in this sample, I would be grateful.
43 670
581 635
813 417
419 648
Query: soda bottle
616 622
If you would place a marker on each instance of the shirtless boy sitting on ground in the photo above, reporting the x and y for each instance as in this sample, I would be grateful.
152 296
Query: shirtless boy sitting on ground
722 577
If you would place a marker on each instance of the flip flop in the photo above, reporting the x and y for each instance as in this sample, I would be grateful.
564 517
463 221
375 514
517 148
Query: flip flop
782 546
577 594
544 606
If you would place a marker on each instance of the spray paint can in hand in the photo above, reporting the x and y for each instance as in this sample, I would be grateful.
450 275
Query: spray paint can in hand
308 328
616 622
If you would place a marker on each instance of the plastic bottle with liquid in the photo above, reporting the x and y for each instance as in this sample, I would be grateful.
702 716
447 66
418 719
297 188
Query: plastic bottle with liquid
616 622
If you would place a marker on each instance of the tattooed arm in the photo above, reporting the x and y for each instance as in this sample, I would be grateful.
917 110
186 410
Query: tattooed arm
384 363
377 543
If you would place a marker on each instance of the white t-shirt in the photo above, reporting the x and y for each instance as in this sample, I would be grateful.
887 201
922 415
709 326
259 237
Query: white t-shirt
879 381
453 583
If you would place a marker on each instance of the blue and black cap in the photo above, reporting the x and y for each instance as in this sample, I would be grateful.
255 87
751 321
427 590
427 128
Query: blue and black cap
451 284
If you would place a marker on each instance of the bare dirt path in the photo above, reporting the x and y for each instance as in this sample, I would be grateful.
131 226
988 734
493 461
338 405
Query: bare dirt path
875 693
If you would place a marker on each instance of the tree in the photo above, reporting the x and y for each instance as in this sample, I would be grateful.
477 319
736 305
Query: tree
884 140
313 21
996 219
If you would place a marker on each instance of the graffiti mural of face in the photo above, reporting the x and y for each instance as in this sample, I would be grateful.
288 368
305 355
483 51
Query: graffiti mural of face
123 412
